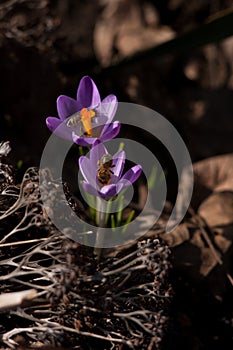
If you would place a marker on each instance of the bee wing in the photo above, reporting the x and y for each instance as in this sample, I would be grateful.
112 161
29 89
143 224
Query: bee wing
74 120
99 120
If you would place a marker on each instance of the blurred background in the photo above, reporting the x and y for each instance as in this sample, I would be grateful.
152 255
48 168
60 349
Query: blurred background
172 55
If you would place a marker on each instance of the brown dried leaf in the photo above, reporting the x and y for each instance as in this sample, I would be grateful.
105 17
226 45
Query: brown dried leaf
222 242
125 27
212 175
217 209
208 261
177 236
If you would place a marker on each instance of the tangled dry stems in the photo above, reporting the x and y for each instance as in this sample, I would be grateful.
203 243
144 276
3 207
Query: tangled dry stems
121 301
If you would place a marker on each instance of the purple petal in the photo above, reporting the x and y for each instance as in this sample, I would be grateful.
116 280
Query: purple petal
89 188
87 94
123 183
97 153
52 123
97 142
132 174
66 106
112 190
108 107
110 131
108 191
59 128
118 162
83 141
82 166
88 170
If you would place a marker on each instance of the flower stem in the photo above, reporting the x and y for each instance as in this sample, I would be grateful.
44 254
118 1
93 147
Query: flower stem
101 212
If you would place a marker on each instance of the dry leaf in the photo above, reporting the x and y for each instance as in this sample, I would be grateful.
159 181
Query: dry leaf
177 236
212 175
208 261
125 27
217 209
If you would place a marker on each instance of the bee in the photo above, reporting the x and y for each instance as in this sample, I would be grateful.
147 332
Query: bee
84 117
104 171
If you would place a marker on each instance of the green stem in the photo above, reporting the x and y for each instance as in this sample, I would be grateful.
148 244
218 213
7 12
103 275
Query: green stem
129 219
101 206
120 208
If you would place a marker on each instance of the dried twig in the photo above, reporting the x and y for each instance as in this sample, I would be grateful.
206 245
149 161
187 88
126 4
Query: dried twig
10 300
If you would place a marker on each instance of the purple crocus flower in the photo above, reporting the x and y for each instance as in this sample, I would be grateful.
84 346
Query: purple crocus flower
103 173
87 118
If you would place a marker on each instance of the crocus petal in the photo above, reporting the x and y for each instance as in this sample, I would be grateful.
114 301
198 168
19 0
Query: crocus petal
90 189
87 94
97 142
108 107
52 123
59 128
66 106
132 174
110 131
81 163
97 153
108 191
88 170
82 141
123 183
118 162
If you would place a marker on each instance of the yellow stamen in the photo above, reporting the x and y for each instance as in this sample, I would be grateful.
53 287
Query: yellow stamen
86 120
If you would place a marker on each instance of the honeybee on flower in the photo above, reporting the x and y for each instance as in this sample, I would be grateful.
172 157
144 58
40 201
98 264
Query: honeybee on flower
105 169
85 119
106 184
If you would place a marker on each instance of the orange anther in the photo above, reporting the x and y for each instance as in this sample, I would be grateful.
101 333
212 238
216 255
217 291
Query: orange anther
86 120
